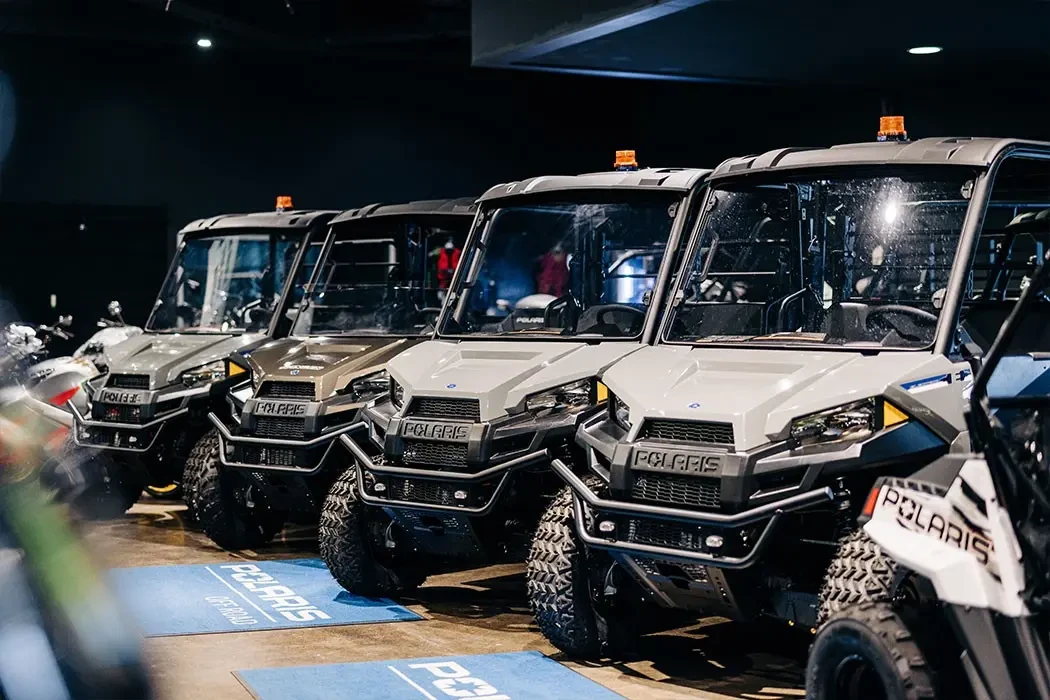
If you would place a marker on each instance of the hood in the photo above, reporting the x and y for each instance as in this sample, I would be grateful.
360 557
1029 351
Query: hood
759 391
165 356
500 374
330 363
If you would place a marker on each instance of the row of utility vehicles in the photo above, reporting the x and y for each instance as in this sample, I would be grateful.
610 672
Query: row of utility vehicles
662 387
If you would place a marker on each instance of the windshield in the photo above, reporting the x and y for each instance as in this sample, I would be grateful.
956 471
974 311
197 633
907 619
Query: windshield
565 268
384 276
225 284
836 261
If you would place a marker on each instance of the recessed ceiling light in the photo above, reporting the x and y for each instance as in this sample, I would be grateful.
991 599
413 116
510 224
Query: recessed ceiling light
924 50
204 42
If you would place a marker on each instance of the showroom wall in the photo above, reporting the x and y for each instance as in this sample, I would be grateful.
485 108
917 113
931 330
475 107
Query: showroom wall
195 133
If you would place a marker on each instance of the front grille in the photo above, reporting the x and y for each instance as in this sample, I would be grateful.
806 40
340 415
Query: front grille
129 381
680 490
453 409
121 414
303 391
706 432
436 454
654 567
660 533
267 456
286 428
421 491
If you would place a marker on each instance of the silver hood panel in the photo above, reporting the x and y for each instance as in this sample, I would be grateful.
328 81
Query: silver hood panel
165 356
759 391
499 374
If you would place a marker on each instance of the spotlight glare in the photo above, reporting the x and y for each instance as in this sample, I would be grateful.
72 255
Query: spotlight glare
204 43
924 50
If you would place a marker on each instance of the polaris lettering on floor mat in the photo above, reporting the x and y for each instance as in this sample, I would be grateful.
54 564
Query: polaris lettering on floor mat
526 675
236 597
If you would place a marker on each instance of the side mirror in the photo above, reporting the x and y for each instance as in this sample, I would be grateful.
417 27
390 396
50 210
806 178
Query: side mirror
65 320
115 309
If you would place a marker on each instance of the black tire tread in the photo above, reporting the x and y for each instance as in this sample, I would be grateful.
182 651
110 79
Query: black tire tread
344 545
880 620
860 572
557 580
219 520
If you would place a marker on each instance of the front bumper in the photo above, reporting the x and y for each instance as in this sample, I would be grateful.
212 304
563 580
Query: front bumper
305 457
467 493
119 436
588 506
453 466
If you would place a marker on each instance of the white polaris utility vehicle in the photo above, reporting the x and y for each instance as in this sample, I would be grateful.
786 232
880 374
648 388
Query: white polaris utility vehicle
557 281
821 333
960 546
223 293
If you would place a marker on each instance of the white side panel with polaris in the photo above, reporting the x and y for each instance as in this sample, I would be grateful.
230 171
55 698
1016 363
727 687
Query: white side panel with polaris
499 374
960 540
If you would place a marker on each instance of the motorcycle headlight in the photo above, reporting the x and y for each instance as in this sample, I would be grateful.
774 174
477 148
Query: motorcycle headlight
852 421
203 374
620 412
397 394
370 386
574 396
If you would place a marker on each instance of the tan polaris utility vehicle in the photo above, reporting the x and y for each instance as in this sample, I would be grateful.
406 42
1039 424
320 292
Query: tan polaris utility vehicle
376 290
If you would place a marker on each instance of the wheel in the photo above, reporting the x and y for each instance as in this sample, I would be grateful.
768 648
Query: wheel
230 510
860 572
867 652
347 530
172 491
110 488
559 589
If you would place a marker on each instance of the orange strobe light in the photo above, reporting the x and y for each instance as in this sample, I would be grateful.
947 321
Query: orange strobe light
892 129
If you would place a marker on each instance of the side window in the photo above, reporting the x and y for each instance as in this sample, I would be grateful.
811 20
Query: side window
1014 237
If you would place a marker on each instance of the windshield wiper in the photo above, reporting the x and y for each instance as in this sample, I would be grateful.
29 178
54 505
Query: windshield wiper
793 335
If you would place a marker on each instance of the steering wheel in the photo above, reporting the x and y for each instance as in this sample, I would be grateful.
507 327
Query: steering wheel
601 325
915 321
571 310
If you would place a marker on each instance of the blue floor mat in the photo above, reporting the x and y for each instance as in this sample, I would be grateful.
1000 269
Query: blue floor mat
524 675
244 596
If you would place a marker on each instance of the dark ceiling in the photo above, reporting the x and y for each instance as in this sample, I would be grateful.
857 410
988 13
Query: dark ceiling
323 26
781 41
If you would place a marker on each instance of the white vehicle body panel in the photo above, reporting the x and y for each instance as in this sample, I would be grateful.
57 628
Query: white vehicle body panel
760 391
970 558
500 374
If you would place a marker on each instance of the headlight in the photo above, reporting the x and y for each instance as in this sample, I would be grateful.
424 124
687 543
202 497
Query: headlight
205 373
620 413
853 421
397 394
369 387
574 396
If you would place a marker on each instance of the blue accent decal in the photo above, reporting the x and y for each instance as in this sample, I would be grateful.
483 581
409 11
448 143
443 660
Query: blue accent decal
694 405
450 386
242 596
523 675
294 372
916 383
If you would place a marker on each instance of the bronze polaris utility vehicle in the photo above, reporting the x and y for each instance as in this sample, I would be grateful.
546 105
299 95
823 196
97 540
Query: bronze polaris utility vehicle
227 288
375 291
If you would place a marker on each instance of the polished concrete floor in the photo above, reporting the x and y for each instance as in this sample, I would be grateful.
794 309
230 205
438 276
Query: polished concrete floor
472 612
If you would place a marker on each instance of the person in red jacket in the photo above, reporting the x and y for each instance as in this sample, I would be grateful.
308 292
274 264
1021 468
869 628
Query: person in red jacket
448 258
553 275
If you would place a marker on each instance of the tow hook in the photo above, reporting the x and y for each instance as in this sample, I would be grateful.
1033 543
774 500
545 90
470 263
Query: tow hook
388 536
610 587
